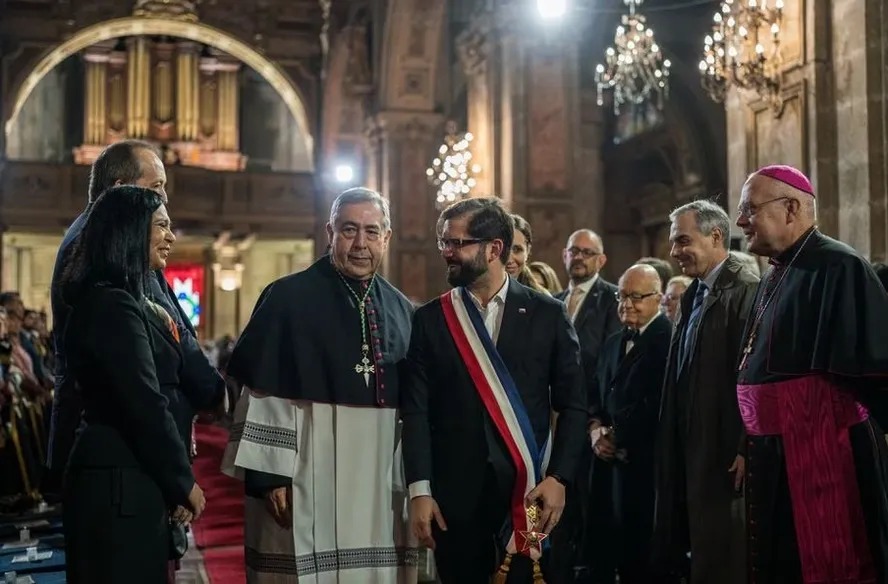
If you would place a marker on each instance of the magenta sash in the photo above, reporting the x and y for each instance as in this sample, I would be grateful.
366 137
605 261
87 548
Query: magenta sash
813 416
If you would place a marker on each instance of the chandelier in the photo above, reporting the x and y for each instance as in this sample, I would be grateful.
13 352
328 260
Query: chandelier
452 171
735 53
635 67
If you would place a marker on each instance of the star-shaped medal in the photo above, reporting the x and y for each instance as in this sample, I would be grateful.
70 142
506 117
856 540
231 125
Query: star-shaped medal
533 539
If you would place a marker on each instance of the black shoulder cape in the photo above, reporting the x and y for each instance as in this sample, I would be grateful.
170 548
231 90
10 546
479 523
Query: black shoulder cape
304 340
829 316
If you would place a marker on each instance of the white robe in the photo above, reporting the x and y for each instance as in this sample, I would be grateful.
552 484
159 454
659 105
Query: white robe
349 498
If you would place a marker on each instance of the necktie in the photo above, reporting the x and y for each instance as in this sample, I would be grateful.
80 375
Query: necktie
574 301
630 335
693 319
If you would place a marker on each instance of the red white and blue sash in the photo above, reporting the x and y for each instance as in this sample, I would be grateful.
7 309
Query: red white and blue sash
503 403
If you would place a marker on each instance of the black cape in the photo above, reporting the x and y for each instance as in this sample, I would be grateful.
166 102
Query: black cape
304 340
828 317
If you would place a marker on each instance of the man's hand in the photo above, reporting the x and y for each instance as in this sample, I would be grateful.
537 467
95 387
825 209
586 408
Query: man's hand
196 501
182 515
605 448
422 511
739 470
279 503
550 495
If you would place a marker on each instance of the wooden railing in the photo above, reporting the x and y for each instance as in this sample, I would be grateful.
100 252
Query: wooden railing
41 195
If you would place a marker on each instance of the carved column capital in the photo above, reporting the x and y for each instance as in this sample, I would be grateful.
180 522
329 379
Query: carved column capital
473 46
407 126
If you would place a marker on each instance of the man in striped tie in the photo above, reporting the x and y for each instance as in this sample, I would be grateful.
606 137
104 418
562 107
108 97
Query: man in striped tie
701 434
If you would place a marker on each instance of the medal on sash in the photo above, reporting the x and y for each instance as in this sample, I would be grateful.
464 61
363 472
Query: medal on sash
503 403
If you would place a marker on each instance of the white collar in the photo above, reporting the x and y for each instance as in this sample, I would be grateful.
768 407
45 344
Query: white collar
648 323
499 297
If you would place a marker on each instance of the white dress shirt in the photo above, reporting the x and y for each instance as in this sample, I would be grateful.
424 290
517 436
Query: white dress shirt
492 315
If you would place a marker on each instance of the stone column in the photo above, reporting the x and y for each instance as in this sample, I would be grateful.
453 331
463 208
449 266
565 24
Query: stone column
138 87
832 124
474 46
406 144
539 151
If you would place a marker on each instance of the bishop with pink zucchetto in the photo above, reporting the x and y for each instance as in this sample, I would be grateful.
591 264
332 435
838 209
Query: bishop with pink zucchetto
811 388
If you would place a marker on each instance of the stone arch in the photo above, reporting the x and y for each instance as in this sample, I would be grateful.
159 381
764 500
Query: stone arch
195 31
411 44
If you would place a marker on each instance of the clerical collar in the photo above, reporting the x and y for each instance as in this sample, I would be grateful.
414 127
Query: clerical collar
789 253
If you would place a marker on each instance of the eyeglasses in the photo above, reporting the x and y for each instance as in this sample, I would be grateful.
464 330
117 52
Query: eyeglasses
583 251
455 244
634 297
748 210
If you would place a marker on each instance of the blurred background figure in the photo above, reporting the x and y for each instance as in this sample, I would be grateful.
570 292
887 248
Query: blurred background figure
675 289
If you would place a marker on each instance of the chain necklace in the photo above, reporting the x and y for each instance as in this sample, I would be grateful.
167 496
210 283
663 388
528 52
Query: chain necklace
365 367
764 303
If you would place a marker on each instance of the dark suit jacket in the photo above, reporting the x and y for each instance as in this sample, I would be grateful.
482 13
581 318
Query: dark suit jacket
701 432
631 386
448 437
596 320
124 361
199 382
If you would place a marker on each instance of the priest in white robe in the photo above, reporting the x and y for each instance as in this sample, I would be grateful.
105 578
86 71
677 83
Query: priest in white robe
316 436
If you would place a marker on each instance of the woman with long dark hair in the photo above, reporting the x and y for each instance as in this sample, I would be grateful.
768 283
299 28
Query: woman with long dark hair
128 475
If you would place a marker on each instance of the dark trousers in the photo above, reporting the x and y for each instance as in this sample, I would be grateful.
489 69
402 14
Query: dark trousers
471 551
116 527
620 524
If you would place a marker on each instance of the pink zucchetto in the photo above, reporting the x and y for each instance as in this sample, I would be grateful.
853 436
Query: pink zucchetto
788 175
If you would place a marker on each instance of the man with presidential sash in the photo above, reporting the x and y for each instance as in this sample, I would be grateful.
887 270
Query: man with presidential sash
488 364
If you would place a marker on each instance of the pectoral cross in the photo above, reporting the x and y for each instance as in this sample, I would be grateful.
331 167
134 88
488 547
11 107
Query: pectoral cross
746 352
365 367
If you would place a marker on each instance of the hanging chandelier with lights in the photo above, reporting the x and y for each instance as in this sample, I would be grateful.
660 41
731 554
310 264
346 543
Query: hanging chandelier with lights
452 171
636 70
736 53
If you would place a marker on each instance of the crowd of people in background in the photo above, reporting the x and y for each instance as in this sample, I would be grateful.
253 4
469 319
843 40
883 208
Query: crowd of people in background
26 365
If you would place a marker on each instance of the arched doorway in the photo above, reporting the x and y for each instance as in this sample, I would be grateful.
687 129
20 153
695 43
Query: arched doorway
194 31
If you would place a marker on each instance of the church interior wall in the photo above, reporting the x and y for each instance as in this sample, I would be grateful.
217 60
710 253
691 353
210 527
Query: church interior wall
832 124
28 259
269 135
43 129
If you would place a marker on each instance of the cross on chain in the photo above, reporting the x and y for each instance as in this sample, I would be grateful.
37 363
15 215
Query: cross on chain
365 366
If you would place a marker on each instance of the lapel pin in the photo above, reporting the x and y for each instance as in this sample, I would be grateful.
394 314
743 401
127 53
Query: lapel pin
522 311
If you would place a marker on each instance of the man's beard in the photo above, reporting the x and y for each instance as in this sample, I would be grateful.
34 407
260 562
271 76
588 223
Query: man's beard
466 272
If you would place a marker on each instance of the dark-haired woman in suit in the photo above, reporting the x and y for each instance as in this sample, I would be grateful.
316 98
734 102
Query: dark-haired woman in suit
128 474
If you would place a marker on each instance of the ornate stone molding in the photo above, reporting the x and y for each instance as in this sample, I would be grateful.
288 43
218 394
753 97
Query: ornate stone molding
171 9
407 126
473 46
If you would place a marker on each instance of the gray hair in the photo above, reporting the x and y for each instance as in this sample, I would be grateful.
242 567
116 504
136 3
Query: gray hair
683 280
357 195
709 215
